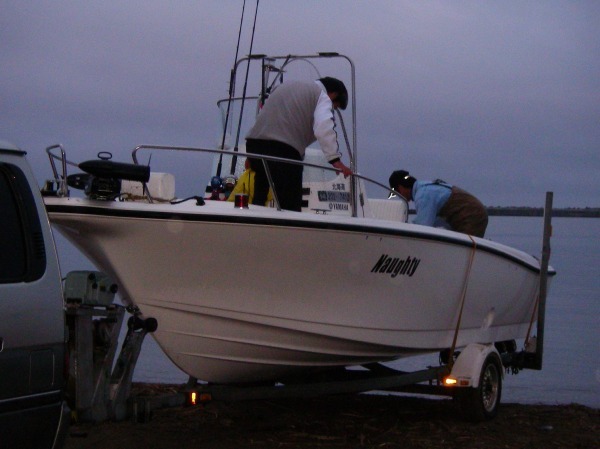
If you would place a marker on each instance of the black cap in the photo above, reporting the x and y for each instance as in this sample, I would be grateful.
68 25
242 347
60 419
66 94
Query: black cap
402 178
334 85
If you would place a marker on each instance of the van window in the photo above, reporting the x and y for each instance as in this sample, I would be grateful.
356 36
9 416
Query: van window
22 252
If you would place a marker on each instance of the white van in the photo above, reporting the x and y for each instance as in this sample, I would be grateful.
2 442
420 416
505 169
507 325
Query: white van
33 411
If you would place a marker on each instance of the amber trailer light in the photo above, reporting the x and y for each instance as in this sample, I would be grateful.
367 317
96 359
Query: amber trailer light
460 382
195 398
450 381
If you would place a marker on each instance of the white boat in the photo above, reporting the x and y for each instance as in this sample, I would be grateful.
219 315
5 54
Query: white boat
260 294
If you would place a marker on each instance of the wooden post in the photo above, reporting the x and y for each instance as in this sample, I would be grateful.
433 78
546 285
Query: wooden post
539 352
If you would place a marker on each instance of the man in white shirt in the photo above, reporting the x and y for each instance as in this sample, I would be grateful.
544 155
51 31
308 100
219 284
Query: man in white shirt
295 115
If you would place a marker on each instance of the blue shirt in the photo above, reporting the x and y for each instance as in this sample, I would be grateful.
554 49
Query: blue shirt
429 198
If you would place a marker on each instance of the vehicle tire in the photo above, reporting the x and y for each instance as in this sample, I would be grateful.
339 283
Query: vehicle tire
482 403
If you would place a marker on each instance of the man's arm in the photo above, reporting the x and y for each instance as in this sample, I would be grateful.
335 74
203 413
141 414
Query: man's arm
324 129
426 207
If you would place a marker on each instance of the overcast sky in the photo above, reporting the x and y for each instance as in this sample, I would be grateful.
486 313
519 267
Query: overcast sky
499 97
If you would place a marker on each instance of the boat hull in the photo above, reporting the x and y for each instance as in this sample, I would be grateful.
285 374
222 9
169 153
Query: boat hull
254 295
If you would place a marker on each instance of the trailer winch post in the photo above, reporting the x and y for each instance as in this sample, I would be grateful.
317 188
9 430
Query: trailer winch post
539 351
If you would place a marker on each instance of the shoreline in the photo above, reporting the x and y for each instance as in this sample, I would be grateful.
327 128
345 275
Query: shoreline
521 211
342 421
575 212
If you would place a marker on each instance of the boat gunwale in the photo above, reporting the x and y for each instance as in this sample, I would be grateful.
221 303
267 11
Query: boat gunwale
271 220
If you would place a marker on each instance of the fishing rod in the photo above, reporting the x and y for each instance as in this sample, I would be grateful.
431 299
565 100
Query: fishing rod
239 128
231 90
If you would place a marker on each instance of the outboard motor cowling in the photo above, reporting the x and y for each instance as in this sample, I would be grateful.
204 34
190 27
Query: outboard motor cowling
116 170
103 178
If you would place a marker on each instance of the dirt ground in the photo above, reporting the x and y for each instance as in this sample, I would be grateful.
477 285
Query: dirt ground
345 421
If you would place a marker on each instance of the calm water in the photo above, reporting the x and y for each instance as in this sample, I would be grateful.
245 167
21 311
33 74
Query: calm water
571 371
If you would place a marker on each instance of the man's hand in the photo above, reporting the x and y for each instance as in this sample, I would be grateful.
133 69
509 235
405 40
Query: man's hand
339 165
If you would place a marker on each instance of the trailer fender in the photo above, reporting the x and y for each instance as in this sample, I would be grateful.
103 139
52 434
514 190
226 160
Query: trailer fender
466 371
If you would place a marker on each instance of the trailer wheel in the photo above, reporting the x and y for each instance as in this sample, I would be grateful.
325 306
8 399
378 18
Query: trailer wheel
482 403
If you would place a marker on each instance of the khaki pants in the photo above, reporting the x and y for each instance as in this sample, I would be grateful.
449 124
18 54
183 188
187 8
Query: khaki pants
465 213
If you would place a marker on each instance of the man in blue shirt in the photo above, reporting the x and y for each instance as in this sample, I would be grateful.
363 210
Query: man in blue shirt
440 204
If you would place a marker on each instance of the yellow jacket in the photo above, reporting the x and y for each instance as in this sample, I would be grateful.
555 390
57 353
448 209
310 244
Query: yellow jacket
245 184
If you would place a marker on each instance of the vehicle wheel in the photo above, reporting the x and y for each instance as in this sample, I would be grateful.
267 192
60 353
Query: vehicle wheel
481 403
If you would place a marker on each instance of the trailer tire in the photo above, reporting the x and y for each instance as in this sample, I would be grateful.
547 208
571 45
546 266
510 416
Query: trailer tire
482 403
